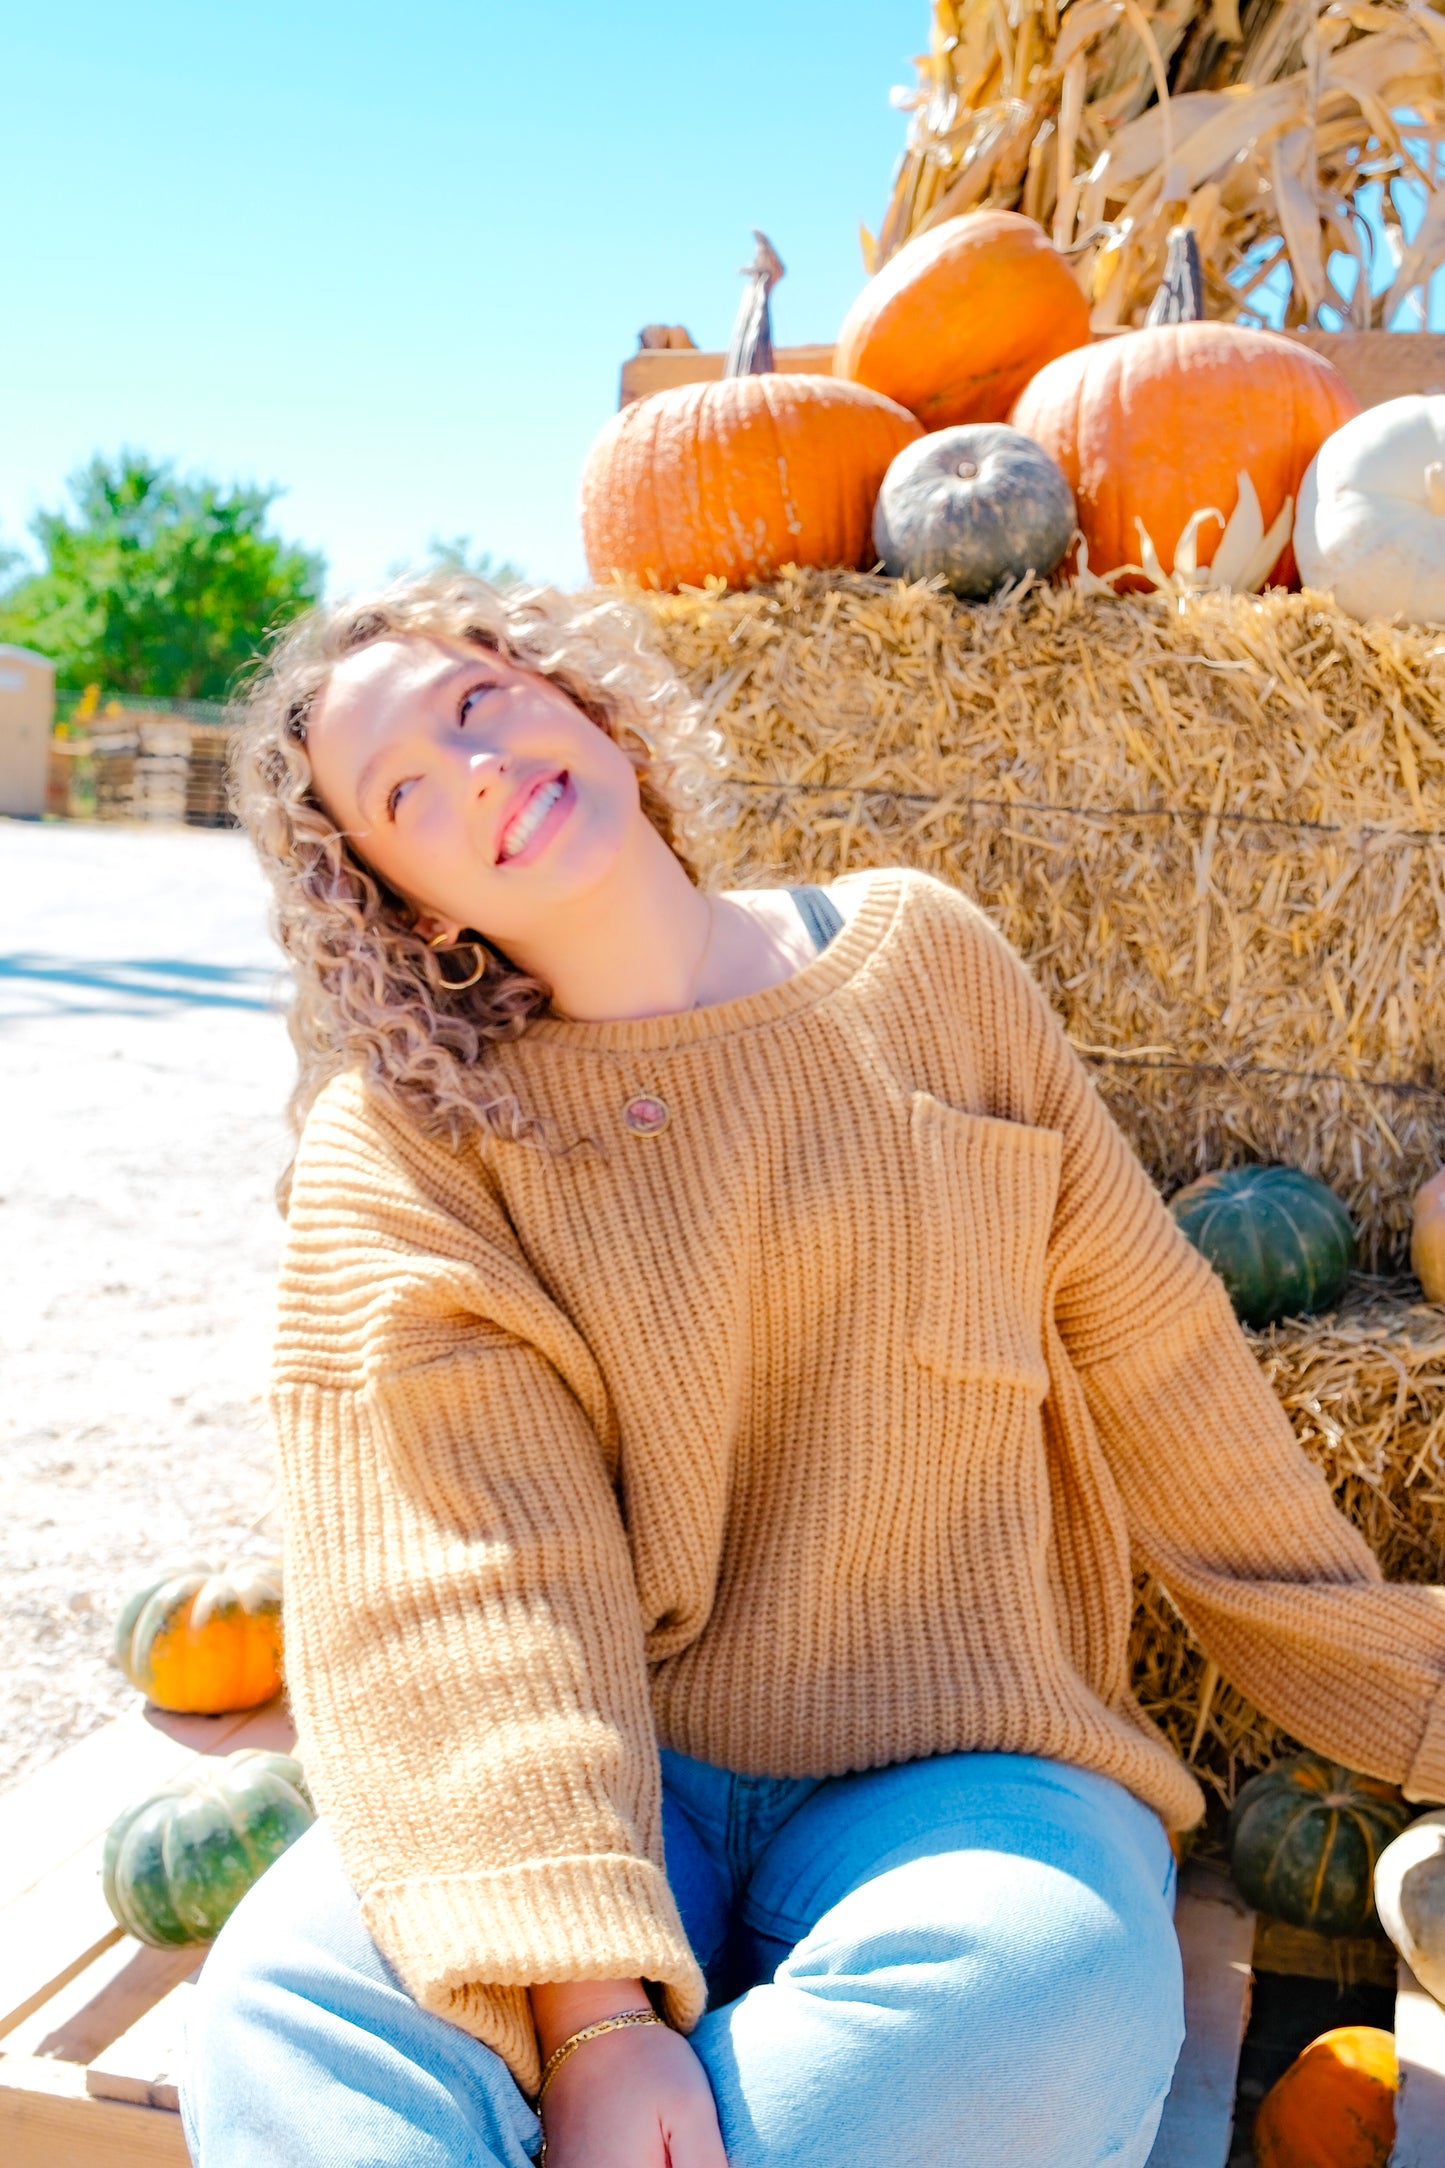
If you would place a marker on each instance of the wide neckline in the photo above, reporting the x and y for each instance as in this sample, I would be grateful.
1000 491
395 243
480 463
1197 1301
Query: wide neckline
849 951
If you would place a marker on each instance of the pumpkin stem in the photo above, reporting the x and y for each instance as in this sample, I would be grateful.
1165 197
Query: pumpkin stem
1180 299
751 351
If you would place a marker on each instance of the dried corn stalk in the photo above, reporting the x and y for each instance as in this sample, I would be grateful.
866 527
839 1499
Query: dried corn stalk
1260 122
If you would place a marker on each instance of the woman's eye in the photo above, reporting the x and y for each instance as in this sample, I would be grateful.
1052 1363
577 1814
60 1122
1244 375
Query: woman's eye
469 699
395 794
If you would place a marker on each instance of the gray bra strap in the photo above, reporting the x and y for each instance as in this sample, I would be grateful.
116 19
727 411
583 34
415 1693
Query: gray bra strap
819 914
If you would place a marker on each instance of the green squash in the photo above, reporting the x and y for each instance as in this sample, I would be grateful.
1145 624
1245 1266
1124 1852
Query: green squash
982 504
1303 1840
1281 1242
177 1864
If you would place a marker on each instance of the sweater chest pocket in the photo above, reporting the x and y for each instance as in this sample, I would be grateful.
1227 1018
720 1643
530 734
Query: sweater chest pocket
985 1203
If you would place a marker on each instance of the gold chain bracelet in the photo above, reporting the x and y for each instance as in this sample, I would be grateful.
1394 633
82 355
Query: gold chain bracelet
622 2022
561 2052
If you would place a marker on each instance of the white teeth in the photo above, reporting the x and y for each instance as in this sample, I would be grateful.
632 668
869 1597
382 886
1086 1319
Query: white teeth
521 831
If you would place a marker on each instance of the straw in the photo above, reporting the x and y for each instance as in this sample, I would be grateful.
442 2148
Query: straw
1215 825
1365 1390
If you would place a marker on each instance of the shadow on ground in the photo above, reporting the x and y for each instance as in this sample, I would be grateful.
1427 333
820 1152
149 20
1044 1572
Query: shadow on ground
134 986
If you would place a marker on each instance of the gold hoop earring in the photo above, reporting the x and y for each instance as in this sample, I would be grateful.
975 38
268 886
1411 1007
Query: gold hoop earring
459 986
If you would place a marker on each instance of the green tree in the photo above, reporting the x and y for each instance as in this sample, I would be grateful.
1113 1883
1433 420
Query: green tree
152 584
457 554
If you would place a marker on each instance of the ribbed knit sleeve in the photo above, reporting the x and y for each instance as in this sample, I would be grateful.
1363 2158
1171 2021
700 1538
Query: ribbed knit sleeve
1220 1500
464 1650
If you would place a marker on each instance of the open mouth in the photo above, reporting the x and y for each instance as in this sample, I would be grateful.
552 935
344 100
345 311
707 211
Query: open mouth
532 816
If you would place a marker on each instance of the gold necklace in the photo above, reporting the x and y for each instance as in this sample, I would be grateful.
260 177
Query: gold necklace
645 1113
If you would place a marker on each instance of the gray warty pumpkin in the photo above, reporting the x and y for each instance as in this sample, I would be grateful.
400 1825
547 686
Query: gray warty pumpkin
981 504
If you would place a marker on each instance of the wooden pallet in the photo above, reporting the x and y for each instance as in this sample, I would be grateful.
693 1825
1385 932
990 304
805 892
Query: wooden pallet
92 2023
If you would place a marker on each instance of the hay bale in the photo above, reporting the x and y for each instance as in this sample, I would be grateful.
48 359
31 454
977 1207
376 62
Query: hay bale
1365 1391
1215 826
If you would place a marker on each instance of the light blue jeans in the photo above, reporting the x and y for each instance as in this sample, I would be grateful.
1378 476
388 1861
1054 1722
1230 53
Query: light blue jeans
963 1961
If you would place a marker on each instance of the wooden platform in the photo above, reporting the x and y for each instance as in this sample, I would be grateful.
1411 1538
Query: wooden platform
659 368
1216 1939
1378 365
92 2023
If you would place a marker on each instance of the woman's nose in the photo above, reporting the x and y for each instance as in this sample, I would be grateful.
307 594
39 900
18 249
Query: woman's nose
486 764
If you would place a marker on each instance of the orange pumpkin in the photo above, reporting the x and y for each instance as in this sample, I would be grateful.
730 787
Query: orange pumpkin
741 477
1154 425
1427 1238
957 322
204 1639
1335 2105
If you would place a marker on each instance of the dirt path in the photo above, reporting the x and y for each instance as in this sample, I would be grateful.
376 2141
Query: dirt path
143 1066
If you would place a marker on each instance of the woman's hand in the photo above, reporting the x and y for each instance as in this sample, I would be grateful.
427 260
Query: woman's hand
635 2098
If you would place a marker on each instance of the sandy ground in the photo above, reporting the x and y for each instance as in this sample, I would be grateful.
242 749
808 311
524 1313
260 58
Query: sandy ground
143 1068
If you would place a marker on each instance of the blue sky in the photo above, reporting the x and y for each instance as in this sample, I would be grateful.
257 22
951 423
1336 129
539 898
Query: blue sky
390 257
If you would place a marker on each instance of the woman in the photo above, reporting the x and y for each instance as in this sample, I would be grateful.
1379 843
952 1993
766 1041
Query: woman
727 1362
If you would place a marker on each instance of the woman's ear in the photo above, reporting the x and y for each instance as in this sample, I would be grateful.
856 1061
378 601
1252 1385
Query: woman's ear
436 932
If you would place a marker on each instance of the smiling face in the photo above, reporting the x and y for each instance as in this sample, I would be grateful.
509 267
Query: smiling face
476 789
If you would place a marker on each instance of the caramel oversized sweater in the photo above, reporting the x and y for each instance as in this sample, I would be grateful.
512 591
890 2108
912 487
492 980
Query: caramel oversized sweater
817 1433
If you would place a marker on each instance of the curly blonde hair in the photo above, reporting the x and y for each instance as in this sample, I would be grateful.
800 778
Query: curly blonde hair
369 992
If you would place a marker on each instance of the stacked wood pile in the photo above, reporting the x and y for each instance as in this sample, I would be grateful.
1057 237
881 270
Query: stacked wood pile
135 765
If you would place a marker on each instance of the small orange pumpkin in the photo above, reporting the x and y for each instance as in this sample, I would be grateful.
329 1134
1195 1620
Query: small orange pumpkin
1155 425
741 477
1427 1238
1335 2105
956 322
204 1639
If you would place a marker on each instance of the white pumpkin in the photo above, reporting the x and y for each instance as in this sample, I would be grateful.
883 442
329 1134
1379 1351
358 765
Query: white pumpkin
1370 528
1410 1898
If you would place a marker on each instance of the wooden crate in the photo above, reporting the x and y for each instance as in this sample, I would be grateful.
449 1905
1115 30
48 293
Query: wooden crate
1378 365
92 2023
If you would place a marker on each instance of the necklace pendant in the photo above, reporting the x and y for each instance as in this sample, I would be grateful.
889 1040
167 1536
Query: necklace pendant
646 1115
